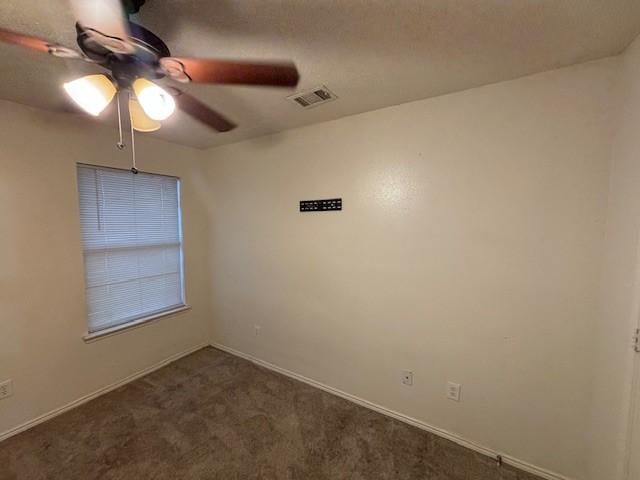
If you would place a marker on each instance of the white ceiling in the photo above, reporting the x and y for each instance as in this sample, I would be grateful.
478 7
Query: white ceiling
372 53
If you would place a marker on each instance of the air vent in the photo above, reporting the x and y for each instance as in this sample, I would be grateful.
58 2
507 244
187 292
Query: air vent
313 98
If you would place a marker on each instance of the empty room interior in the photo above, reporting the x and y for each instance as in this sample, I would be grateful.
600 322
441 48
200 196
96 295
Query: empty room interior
331 239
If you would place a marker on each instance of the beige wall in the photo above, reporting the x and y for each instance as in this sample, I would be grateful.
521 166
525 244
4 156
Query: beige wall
620 285
468 250
42 307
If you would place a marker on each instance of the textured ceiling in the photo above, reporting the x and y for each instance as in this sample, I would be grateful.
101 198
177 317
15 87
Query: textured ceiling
372 54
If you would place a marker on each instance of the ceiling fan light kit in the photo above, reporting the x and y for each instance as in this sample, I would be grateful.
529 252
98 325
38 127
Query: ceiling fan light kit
139 119
92 93
156 102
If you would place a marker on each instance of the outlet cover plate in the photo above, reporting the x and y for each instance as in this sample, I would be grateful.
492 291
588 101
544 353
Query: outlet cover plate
453 391
407 377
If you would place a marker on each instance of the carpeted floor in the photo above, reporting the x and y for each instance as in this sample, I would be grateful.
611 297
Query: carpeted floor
215 416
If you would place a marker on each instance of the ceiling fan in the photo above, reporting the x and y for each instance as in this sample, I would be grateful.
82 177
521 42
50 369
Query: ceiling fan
134 57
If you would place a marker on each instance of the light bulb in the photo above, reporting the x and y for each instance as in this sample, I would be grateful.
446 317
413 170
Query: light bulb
140 121
157 103
92 93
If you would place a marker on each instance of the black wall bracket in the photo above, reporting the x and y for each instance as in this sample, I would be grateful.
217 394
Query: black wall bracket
321 205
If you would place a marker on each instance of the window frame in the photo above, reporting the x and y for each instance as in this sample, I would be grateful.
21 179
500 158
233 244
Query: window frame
149 317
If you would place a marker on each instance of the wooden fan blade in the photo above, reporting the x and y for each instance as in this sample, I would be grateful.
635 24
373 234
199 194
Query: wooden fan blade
205 70
40 45
27 41
202 112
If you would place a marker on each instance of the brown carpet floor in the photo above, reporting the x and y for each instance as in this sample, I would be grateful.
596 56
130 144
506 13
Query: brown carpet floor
211 415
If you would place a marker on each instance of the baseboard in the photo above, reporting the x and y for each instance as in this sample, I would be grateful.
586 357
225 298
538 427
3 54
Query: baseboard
58 411
520 464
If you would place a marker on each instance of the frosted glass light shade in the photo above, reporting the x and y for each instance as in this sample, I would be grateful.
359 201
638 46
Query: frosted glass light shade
156 102
92 93
141 122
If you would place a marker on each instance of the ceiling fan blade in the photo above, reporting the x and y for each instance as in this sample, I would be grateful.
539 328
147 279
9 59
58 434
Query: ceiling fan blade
205 70
201 112
107 20
27 41
38 44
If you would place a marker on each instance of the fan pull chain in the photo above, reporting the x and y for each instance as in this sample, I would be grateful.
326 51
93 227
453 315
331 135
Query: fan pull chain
120 143
133 141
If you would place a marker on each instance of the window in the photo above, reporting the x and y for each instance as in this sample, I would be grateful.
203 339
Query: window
132 242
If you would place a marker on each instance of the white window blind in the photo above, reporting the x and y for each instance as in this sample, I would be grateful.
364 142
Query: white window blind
131 232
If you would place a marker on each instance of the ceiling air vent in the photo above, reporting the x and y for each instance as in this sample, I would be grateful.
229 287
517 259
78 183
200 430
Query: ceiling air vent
313 98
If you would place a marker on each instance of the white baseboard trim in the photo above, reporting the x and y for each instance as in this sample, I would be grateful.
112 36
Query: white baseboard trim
76 403
520 464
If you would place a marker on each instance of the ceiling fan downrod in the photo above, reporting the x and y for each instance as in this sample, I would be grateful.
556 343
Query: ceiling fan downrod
132 7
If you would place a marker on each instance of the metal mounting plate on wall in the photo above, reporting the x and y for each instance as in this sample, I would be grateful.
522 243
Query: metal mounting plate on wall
320 205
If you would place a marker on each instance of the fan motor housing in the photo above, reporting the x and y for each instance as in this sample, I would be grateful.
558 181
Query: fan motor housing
142 62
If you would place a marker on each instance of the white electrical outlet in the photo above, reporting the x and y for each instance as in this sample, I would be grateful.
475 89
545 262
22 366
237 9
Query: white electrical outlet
453 391
257 329
6 389
407 377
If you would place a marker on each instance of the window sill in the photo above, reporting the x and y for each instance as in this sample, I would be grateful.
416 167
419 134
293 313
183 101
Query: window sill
141 322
